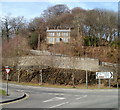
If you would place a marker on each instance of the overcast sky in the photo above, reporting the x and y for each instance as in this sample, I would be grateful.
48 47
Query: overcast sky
34 9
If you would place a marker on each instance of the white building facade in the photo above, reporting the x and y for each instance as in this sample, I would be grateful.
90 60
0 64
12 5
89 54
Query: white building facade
56 36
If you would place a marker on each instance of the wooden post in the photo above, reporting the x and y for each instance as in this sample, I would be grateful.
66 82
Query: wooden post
18 76
109 83
40 83
39 42
7 85
86 79
99 83
117 85
73 79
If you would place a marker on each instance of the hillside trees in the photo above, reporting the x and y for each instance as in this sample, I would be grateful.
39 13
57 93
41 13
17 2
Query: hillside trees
79 25
53 17
37 27
17 23
12 26
102 24
16 47
5 27
58 16
97 27
56 10
14 40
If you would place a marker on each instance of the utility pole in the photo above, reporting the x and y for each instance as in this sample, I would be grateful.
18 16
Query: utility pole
39 42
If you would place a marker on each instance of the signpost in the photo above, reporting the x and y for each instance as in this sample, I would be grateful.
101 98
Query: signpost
104 75
86 79
7 69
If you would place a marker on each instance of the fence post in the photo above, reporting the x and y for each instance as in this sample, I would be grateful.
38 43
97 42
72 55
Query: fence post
86 79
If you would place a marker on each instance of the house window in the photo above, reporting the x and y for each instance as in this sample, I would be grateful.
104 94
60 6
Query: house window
58 34
64 34
51 40
57 39
51 34
65 39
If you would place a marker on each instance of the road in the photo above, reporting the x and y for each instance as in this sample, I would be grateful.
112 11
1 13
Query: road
43 97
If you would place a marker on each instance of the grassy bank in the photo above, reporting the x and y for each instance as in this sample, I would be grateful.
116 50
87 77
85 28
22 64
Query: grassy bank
2 92
81 86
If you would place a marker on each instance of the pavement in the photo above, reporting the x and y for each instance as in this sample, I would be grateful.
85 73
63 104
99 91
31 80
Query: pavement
13 95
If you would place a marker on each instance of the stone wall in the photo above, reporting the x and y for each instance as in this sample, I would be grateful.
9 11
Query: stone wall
61 62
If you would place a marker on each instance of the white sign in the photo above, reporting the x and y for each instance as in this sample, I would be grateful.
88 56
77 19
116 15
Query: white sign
7 70
104 75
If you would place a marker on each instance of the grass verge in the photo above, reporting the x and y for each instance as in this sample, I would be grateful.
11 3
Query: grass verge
81 86
2 92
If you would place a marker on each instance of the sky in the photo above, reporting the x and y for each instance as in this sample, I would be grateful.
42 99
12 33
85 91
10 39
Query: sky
31 9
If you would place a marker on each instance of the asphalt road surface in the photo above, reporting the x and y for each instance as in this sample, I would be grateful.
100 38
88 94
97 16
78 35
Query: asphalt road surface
43 97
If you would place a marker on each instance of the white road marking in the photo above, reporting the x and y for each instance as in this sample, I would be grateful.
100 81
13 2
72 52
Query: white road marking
19 90
59 105
61 94
81 97
77 95
58 94
50 93
55 94
55 99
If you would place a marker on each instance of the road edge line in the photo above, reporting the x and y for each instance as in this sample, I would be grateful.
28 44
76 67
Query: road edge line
24 97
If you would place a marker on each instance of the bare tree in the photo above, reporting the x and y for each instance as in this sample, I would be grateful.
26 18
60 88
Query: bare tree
17 23
55 11
6 27
79 22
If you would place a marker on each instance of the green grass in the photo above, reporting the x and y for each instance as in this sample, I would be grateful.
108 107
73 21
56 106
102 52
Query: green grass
2 92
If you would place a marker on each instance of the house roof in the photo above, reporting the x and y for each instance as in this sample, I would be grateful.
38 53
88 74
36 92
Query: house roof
58 30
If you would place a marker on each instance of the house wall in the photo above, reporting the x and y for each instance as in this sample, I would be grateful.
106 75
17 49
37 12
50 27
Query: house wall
56 36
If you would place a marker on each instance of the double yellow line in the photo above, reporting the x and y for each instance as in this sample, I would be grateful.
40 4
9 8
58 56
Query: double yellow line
27 96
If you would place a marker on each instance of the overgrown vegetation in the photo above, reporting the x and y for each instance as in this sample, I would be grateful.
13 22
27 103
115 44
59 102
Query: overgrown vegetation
90 28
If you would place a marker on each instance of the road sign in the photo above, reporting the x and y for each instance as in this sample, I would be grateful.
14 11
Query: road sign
104 75
7 69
